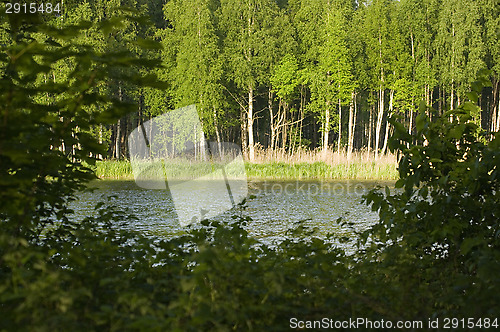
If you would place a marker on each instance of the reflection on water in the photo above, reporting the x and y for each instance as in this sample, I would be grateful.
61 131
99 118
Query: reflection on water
274 206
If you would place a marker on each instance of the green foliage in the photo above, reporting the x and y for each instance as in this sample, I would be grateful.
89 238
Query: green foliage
319 170
192 52
322 28
461 48
444 221
44 141
285 78
306 53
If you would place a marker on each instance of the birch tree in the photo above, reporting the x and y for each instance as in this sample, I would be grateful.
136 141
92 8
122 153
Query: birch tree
247 26
378 49
196 71
460 47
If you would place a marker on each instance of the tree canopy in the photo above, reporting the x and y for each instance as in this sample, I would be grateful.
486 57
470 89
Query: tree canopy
376 57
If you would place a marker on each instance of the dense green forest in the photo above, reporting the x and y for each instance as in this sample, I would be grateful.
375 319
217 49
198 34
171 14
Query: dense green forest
300 73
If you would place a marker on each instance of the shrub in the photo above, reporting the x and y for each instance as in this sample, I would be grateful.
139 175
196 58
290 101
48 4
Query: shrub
438 238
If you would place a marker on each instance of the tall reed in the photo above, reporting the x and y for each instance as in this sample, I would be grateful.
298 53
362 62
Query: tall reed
279 164
330 157
114 169
318 164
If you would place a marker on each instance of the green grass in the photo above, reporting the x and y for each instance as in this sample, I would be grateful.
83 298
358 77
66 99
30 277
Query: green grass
356 170
321 170
114 169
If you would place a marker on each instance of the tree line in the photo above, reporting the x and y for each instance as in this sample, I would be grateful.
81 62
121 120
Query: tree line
299 73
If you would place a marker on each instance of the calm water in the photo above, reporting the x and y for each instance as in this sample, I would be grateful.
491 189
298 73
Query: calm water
274 206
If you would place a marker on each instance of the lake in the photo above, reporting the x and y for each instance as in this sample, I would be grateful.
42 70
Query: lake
274 206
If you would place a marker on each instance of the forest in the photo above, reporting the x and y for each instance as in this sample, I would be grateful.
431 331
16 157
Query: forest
419 79
297 74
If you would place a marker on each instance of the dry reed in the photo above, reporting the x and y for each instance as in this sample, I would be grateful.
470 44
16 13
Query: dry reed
329 157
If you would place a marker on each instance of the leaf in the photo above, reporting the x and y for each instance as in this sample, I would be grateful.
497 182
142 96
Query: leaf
421 121
148 44
476 86
424 191
472 96
470 243
456 132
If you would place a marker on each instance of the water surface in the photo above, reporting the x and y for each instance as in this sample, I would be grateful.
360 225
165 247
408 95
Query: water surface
274 206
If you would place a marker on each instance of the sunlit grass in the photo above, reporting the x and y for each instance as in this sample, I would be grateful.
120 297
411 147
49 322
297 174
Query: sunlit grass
317 164
173 169
268 164
321 170
114 169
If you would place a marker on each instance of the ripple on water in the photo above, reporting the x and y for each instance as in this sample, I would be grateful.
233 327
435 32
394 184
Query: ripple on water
274 207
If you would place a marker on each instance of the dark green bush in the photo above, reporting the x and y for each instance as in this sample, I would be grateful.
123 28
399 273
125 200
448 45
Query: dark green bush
438 239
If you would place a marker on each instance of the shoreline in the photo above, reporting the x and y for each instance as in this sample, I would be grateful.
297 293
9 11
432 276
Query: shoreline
356 170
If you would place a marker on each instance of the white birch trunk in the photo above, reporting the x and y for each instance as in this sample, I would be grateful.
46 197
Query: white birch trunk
251 144
380 116
326 126
339 140
386 138
352 124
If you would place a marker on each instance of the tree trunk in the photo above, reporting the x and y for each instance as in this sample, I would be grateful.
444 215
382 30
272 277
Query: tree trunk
117 139
498 116
496 107
99 156
339 140
370 126
387 125
410 127
352 125
217 133
284 126
431 96
440 101
451 100
151 136
244 132
380 116
354 119
381 98
326 126
386 138
271 119
301 125
203 147
118 129
251 151
452 67
195 140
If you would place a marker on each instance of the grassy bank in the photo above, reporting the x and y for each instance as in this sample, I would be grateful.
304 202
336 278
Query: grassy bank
321 170
305 165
